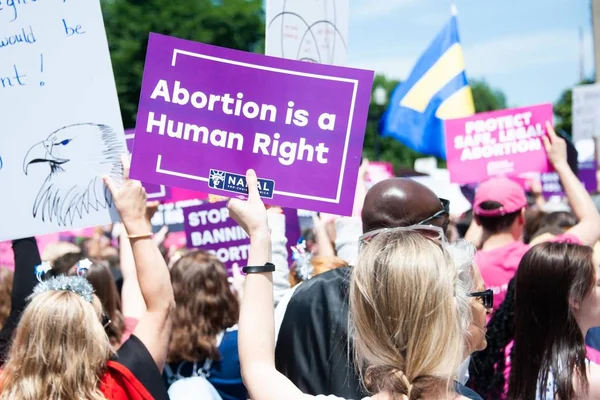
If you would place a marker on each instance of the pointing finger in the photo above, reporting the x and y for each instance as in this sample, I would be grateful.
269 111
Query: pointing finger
551 132
252 182
547 144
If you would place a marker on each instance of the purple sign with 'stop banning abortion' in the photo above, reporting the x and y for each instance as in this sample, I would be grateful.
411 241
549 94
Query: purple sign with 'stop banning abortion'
208 227
207 114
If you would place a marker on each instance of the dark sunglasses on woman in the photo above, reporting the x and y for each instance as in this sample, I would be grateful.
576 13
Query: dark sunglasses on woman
487 298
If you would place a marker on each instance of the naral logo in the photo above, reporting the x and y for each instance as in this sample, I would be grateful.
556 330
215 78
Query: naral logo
216 179
236 183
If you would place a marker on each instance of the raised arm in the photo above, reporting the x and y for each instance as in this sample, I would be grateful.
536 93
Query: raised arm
281 282
27 257
324 246
256 326
588 228
154 327
132 299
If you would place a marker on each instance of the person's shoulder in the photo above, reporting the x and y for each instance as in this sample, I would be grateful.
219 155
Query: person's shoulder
501 256
465 392
229 341
329 287
566 238
336 277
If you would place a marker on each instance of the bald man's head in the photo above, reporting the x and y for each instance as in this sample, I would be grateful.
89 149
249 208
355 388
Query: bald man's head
400 202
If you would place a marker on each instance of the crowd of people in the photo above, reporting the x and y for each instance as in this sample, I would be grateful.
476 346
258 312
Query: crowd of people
398 301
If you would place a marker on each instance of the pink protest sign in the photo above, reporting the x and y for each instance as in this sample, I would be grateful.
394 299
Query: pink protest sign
498 143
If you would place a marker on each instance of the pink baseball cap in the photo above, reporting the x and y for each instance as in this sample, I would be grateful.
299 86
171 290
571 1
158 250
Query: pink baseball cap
501 190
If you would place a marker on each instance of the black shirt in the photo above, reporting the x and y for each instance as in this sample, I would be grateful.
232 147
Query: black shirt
313 349
134 355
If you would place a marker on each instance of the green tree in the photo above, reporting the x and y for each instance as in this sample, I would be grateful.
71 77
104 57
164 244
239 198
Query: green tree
376 147
388 149
237 24
485 97
563 108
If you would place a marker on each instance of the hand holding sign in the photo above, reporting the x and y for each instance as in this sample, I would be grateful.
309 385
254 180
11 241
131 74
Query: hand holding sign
251 214
556 147
129 197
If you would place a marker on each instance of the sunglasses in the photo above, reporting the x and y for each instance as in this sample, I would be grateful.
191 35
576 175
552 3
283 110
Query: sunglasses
487 298
105 321
434 233
444 211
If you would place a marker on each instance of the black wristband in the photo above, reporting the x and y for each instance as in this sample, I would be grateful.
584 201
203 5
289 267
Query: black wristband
268 267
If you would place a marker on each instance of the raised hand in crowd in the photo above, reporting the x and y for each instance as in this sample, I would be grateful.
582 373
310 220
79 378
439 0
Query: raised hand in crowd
154 327
587 229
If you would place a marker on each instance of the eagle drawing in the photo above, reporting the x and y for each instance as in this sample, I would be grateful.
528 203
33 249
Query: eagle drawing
77 157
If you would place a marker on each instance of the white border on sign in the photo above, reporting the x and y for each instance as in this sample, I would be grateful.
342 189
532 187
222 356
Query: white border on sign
163 191
281 71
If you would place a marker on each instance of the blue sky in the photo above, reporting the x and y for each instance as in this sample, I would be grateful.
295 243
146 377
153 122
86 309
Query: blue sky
528 48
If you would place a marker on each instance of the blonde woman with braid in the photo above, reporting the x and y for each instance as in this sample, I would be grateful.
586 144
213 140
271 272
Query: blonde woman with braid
407 307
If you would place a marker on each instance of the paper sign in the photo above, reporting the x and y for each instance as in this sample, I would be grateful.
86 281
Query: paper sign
314 31
162 192
209 227
61 125
551 185
207 114
586 111
498 143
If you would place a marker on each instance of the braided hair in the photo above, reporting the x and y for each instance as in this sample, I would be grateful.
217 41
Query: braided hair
486 370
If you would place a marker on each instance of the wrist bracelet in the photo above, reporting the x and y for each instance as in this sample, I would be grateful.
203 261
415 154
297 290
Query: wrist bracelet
142 236
268 267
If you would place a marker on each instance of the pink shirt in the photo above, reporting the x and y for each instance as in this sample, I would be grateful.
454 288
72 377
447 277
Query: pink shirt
498 266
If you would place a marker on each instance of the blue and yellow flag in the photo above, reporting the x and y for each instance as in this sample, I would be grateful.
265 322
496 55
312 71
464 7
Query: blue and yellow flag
436 89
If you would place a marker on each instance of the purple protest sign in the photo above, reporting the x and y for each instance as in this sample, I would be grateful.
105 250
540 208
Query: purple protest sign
207 114
153 191
161 192
551 185
209 227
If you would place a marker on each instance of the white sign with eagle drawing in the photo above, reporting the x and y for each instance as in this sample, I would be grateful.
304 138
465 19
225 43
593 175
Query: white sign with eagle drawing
60 124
